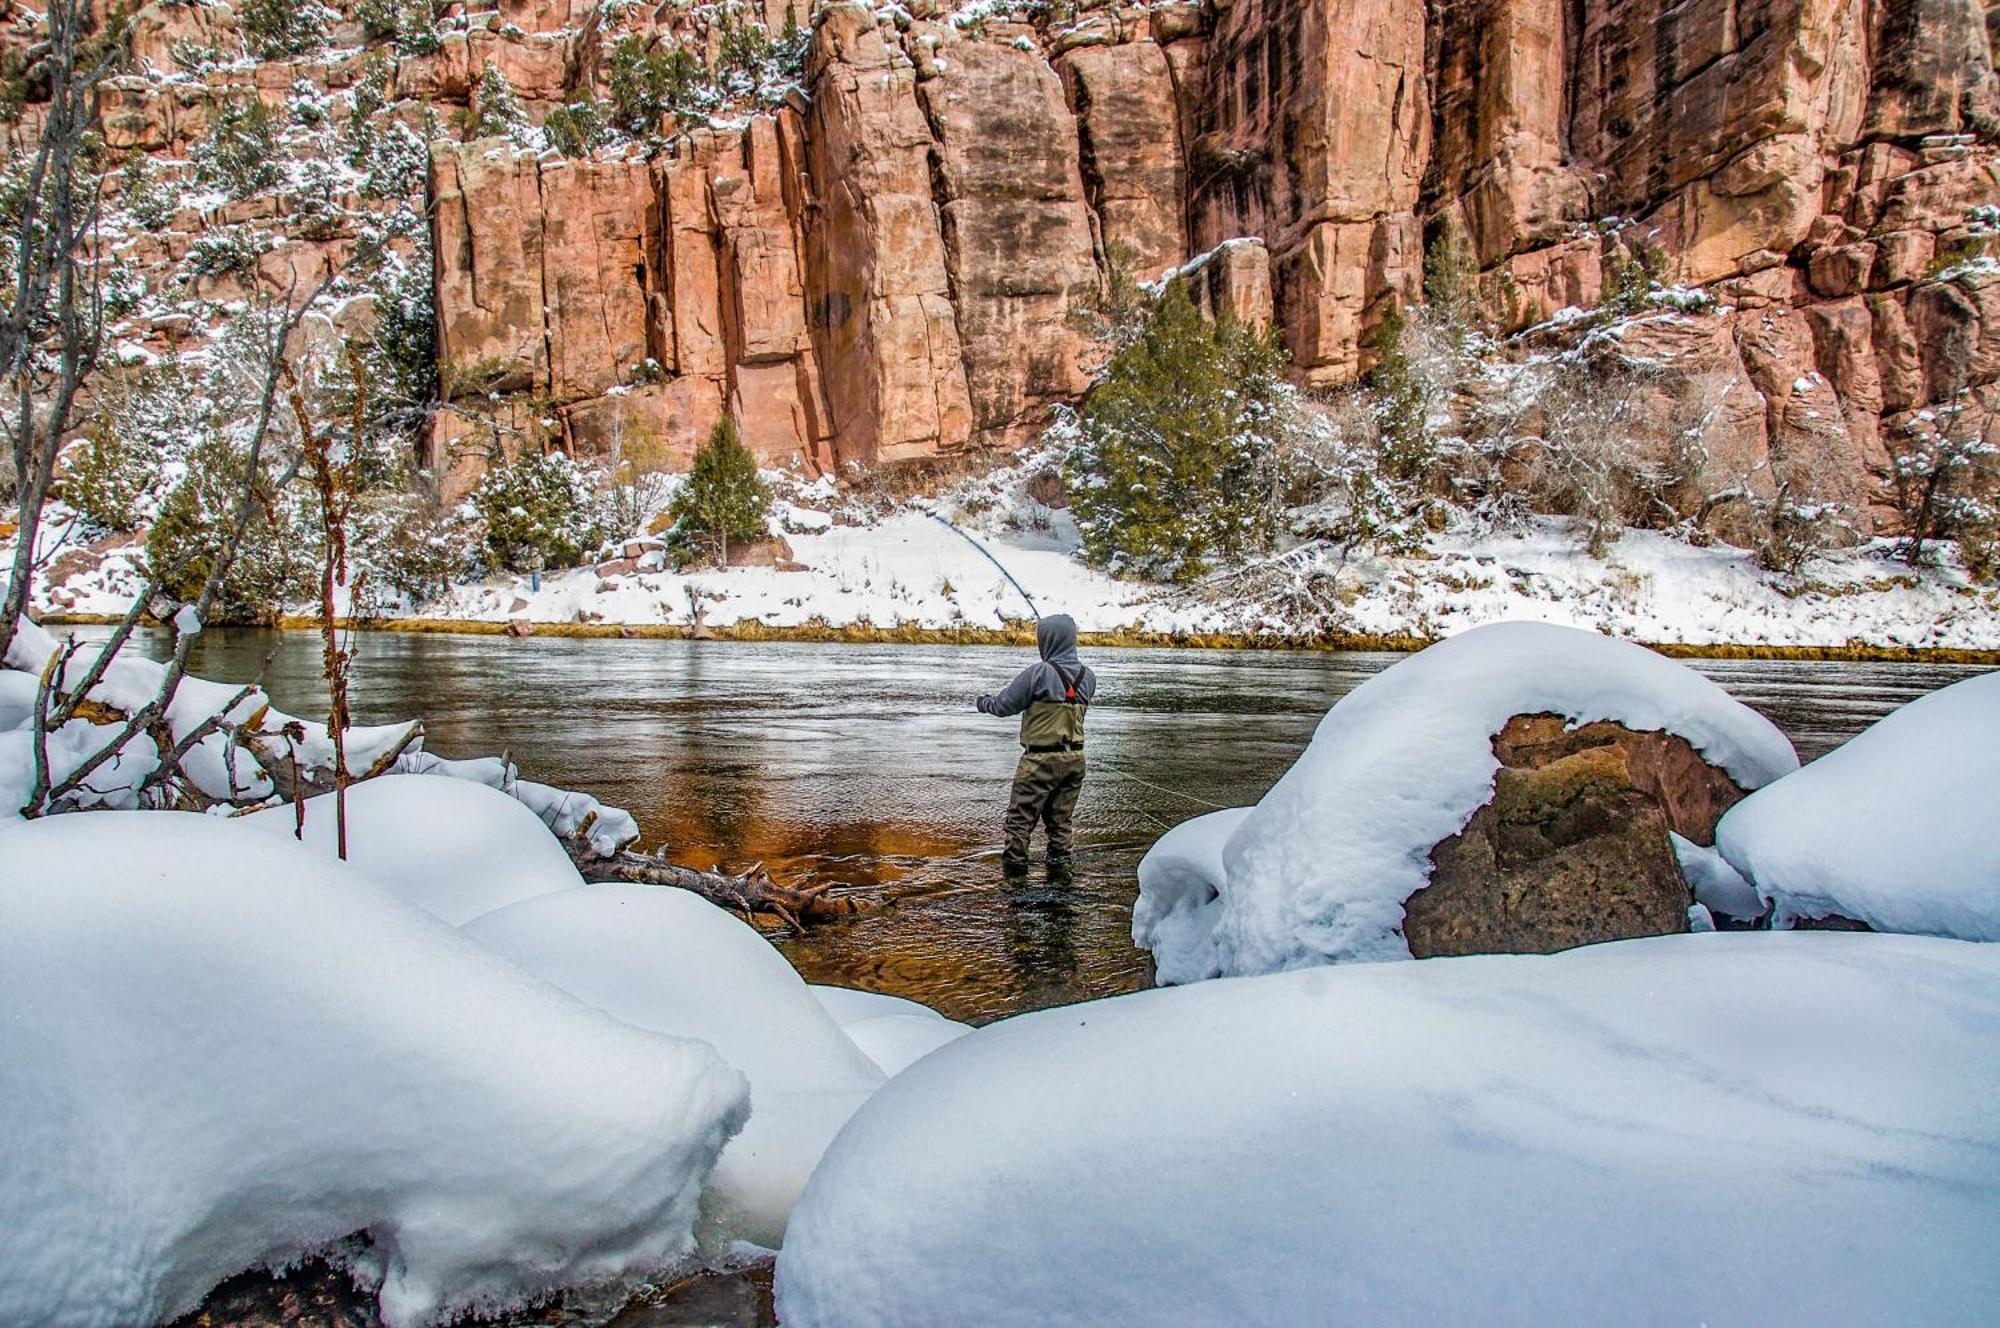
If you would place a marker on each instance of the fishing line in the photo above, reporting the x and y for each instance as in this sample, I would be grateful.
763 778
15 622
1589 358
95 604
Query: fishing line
1121 774
947 524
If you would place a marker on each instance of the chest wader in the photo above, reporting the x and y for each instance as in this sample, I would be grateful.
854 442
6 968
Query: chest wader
1050 775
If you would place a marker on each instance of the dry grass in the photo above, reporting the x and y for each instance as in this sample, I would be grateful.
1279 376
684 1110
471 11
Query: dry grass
1022 633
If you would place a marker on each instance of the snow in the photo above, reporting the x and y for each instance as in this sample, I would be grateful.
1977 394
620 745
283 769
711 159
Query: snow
1318 871
570 814
1895 828
223 1050
1181 879
666 960
893 565
1717 886
1792 1129
452 847
892 1031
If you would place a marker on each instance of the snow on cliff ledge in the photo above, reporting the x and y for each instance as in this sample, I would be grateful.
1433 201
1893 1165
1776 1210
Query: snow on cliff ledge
1791 1129
1899 828
1318 871
222 1048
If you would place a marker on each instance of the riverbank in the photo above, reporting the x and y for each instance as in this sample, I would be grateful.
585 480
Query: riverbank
902 576
1022 633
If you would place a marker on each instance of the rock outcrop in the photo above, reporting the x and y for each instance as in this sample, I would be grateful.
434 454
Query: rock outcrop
899 259
1573 849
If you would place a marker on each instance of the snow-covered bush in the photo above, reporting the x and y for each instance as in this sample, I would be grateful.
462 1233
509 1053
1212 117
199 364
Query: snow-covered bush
496 111
1319 870
1626 1133
578 127
1945 481
225 251
145 199
280 29
226 1050
411 23
540 512
108 480
240 155
417 546
1893 828
1171 467
670 962
646 83
279 557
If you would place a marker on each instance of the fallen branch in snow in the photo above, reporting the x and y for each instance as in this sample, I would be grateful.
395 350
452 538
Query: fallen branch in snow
795 906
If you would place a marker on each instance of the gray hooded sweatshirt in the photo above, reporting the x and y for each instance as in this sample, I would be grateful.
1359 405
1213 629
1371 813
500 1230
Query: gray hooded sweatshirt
1055 637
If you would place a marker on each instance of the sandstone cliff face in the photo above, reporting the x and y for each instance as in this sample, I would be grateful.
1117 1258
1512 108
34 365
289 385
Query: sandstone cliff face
898 263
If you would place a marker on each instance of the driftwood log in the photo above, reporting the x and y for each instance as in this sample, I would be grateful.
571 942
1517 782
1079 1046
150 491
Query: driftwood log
795 905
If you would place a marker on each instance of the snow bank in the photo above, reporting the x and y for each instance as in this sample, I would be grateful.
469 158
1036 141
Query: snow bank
1318 871
223 1049
893 1032
1600 1136
1718 887
130 683
453 848
1895 829
1180 892
666 960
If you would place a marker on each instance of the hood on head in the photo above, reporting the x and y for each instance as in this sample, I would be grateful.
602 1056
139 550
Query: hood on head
1055 637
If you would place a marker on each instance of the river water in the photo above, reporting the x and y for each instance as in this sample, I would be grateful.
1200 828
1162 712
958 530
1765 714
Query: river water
869 765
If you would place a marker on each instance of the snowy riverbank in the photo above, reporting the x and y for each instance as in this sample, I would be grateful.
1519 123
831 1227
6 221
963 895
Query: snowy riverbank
905 575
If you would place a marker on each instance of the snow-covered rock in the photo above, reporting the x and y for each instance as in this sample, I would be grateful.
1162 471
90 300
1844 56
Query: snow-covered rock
222 1049
669 961
1724 1128
1718 887
1896 828
1180 889
892 1031
1318 871
450 846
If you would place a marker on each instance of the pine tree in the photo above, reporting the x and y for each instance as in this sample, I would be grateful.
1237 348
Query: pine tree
1173 468
723 498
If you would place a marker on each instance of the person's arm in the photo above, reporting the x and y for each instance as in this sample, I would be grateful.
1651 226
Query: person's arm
1014 697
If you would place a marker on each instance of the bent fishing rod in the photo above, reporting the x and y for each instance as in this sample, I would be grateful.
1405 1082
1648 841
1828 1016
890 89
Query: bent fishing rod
967 537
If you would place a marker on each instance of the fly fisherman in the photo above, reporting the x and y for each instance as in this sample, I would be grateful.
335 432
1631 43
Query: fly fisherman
1050 697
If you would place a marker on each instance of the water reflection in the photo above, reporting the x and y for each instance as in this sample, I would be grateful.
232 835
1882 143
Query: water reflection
869 766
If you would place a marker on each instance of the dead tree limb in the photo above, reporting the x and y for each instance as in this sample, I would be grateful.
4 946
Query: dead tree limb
796 906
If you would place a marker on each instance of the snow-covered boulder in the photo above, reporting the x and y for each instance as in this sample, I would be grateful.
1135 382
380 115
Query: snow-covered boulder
1180 891
892 1031
669 961
1896 828
452 847
1725 1128
1320 869
222 1049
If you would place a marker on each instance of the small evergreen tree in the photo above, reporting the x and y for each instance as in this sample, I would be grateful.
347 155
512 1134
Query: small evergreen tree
1173 467
723 498
496 110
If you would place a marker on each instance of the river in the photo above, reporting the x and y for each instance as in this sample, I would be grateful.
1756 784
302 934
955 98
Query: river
869 765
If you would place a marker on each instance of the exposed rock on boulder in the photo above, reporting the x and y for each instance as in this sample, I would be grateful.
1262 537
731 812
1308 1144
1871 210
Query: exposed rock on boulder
1573 848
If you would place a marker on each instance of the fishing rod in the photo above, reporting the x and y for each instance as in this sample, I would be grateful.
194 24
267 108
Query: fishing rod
964 535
